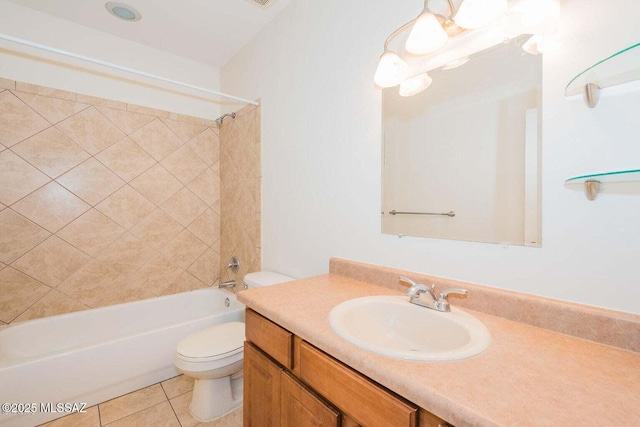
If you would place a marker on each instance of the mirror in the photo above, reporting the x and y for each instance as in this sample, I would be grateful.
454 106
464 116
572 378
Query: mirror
461 160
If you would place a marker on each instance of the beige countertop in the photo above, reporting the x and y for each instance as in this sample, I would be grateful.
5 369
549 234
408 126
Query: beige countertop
528 376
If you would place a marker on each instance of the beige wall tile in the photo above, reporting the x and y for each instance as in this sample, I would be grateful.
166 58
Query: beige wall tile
7 84
126 254
157 229
156 139
156 184
17 293
101 102
52 304
51 207
206 227
17 178
186 282
185 249
177 385
45 91
206 186
183 130
149 111
91 233
53 109
122 290
18 235
17 120
189 119
52 261
92 181
184 207
90 418
207 146
131 403
91 130
89 284
150 261
51 152
207 267
126 206
184 164
240 191
156 275
126 121
126 158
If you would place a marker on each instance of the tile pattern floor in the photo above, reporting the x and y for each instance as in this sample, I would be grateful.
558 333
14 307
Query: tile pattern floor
159 405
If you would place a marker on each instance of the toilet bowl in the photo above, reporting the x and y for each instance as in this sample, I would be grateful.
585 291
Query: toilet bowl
214 357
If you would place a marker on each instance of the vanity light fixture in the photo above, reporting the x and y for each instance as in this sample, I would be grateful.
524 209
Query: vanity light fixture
408 61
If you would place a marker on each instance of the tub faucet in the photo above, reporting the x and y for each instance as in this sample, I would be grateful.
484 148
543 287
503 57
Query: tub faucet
229 284
416 291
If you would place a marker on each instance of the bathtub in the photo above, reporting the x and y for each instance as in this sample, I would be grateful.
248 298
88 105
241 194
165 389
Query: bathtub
95 355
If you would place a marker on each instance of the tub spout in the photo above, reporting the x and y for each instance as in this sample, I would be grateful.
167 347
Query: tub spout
229 284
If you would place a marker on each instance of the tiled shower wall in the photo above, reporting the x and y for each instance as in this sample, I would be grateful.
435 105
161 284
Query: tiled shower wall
103 202
241 193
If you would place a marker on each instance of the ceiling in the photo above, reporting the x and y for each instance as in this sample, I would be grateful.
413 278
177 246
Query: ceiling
207 31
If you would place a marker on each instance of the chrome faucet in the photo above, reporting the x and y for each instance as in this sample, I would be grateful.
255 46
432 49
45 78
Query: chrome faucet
416 291
229 284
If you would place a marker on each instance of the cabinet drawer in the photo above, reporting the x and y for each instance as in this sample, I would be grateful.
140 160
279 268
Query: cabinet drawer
353 393
277 342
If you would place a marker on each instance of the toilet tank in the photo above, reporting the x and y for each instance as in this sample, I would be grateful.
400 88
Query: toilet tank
265 278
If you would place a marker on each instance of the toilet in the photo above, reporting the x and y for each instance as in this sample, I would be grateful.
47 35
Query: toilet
214 357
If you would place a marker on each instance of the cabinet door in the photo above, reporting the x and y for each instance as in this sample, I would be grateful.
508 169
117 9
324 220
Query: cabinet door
301 408
262 385
352 392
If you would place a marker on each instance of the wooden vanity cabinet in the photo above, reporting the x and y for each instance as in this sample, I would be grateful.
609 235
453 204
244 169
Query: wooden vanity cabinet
291 383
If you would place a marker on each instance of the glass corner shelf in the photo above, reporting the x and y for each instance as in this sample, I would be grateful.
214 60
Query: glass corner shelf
620 68
592 182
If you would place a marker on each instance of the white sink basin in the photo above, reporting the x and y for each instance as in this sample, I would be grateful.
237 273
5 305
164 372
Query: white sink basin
392 326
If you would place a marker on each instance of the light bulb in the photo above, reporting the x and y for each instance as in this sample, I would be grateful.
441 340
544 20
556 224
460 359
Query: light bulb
427 35
479 13
415 84
391 70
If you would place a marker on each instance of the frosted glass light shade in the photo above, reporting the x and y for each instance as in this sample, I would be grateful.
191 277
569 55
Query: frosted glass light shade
427 35
415 84
479 13
391 70
535 45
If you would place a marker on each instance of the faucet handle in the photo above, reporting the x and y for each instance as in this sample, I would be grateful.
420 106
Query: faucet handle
445 293
443 301
407 280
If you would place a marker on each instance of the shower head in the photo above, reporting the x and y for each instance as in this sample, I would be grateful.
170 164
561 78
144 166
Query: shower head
221 118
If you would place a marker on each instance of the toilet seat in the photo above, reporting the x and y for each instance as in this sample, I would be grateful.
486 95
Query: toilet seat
214 343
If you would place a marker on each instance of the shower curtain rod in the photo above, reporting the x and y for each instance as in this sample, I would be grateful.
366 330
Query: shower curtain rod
121 68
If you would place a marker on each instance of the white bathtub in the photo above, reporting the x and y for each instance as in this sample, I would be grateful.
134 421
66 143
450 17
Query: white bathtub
96 355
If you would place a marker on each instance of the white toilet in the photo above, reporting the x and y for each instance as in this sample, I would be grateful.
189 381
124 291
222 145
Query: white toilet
214 358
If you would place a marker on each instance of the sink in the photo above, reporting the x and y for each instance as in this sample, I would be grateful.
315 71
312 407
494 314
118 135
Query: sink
392 326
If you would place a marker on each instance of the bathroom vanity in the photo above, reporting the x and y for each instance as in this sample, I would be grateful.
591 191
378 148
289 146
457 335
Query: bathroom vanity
297 370
290 382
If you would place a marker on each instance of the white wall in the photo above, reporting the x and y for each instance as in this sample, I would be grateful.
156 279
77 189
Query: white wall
37 27
313 69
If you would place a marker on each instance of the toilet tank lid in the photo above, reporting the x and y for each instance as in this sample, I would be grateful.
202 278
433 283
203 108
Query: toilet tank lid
265 278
